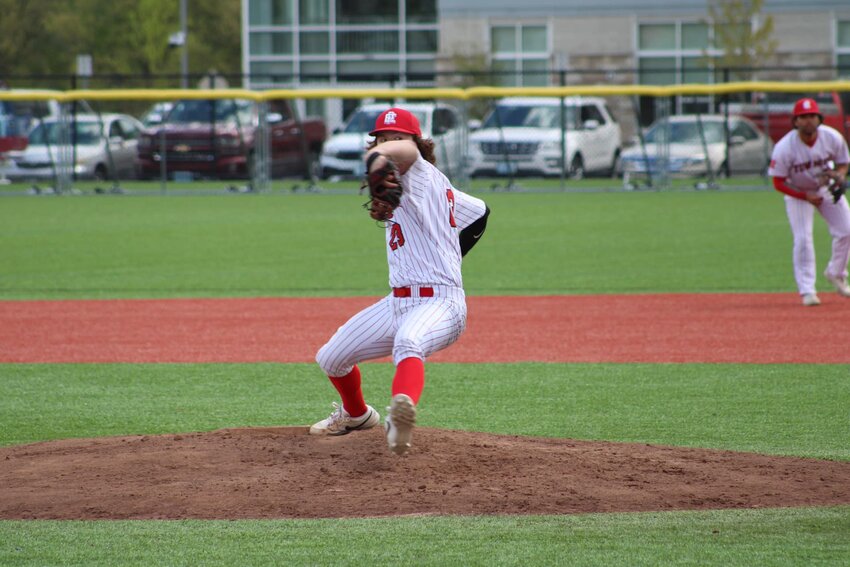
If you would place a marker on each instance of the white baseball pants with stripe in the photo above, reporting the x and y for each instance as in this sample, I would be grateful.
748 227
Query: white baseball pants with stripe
401 326
801 217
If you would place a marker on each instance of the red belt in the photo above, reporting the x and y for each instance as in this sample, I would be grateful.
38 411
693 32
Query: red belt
409 292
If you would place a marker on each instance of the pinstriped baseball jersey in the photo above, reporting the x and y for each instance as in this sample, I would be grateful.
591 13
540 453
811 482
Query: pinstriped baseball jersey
423 250
801 164
422 236
468 209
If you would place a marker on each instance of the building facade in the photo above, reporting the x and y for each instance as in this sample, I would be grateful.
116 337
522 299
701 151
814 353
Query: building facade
412 43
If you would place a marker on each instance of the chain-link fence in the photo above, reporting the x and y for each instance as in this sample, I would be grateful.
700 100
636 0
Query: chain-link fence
569 138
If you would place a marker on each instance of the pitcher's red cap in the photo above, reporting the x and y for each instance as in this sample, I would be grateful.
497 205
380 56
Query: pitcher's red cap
806 106
397 120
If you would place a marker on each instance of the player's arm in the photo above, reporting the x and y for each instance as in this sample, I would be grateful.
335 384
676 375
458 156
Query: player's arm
778 171
403 154
781 185
469 236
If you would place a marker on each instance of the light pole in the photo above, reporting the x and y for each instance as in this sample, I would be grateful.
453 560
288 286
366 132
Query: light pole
179 39
184 54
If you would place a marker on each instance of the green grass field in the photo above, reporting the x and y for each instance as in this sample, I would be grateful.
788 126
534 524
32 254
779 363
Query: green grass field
324 245
286 245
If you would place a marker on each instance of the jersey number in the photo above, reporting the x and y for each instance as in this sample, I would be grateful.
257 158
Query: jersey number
451 197
396 236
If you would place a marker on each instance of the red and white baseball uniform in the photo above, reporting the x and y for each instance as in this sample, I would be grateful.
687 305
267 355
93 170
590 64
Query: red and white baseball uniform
800 165
426 310
468 208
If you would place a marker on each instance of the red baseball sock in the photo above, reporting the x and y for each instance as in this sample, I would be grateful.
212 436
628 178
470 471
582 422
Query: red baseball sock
409 378
349 390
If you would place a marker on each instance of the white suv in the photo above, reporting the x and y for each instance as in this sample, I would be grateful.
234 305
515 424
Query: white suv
523 136
342 154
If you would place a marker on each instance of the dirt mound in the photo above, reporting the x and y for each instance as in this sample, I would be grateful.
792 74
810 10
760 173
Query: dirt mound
286 473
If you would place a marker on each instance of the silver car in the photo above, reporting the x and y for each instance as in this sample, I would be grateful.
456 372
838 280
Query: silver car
104 148
691 145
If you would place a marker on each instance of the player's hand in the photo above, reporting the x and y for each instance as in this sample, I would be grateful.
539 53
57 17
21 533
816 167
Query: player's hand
814 198
385 169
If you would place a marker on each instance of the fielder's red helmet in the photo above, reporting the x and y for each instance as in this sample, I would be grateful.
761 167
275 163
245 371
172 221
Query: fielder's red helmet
806 106
397 120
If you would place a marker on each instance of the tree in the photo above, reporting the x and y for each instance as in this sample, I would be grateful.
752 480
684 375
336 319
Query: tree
26 45
125 38
743 35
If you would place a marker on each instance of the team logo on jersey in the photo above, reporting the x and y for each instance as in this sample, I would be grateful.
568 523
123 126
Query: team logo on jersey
389 118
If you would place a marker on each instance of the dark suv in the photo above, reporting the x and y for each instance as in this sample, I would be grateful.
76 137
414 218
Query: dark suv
217 139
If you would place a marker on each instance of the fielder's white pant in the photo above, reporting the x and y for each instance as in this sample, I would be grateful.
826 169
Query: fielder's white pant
801 217
401 326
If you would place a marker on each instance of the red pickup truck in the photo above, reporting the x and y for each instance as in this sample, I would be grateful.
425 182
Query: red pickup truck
774 116
218 139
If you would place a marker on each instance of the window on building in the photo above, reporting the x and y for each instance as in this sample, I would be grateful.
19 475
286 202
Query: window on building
842 56
369 71
315 71
520 55
271 71
367 12
673 53
653 37
313 12
314 43
422 41
270 12
367 42
320 38
695 36
421 71
421 11
270 43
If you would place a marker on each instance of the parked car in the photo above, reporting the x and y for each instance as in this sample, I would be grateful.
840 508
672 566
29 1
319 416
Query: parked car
523 136
695 145
156 114
17 117
772 112
218 139
342 155
105 148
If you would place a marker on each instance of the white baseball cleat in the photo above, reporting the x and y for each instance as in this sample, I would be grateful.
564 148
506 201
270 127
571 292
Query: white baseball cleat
340 423
811 299
401 417
840 284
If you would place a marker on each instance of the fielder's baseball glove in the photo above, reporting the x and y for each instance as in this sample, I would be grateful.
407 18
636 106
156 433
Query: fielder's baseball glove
837 190
835 184
384 187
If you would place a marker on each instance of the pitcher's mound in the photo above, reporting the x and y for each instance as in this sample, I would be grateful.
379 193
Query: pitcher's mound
286 473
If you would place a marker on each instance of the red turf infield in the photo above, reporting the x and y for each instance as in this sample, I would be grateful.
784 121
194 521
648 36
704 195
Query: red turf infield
285 473
746 328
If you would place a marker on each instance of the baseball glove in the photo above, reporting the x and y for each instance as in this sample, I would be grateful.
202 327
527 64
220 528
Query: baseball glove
834 181
384 187
837 190
835 184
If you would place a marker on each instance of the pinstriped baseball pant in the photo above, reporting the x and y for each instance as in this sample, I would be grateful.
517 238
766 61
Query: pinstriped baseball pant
801 218
401 326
